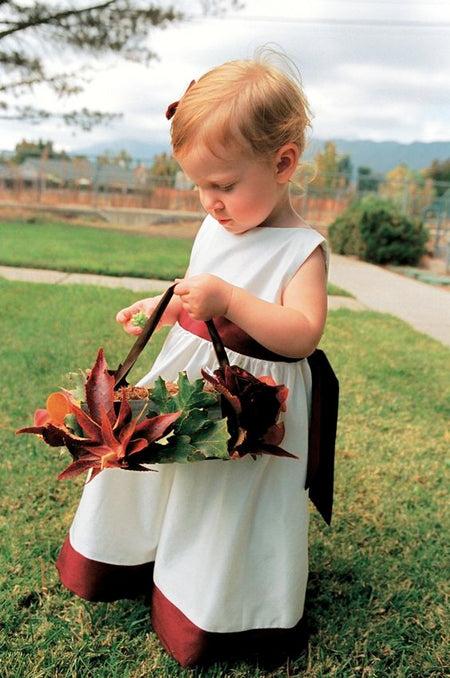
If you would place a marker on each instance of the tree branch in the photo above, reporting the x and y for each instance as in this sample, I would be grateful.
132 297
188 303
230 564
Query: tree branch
54 17
58 83
118 27
84 118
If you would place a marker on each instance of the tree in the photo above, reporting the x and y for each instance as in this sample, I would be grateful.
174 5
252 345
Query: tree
333 170
102 28
344 170
41 149
327 162
164 165
439 172
407 188
367 181
120 159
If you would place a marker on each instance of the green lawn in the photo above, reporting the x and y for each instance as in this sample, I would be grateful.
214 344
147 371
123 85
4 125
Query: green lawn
376 595
83 249
68 247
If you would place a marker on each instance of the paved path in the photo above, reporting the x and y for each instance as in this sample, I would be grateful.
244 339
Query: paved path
425 307
61 278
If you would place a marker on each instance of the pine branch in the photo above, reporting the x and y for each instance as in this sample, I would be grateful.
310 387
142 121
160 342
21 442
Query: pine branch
84 118
36 19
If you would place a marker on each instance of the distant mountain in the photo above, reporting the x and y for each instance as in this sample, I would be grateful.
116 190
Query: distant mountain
139 150
380 156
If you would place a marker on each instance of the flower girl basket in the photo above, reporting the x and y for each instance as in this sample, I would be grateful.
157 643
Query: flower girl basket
106 423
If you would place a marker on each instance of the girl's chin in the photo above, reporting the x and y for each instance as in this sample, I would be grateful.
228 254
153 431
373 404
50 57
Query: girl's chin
233 227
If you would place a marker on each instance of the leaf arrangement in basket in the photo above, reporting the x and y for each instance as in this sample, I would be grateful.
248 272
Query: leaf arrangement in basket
226 415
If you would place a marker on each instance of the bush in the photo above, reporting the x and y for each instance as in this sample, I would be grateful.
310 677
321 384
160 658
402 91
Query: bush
374 230
345 235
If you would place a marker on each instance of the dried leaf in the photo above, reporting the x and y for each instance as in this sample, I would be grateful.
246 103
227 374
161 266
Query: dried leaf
256 403
100 389
57 407
187 425
110 439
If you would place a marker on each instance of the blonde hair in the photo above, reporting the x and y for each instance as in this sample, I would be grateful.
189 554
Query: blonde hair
250 103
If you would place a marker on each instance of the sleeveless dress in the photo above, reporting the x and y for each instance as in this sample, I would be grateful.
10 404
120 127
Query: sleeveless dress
220 547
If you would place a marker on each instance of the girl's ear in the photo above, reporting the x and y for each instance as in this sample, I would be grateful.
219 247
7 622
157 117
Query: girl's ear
286 162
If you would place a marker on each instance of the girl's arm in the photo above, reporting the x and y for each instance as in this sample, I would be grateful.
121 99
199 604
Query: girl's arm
169 316
292 329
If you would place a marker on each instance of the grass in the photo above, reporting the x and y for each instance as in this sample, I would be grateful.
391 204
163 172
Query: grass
337 291
63 246
376 594
424 276
67 247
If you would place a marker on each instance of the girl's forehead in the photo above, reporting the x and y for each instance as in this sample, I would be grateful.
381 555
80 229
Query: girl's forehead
218 153
200 159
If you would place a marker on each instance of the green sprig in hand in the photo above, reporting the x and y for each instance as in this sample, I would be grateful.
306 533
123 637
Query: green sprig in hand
139 319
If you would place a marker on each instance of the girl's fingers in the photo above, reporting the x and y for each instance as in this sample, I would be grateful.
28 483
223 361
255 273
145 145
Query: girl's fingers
180 288
125 314
132 329
122 316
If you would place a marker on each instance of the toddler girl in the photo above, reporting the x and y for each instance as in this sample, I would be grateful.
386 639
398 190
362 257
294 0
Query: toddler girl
221 548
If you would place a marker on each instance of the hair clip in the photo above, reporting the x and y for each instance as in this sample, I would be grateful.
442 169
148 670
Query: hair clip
172 108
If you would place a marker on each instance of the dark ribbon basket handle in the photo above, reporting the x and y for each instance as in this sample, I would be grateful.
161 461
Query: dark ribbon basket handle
147 332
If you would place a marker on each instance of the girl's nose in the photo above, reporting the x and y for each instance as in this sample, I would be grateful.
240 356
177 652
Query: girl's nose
211 201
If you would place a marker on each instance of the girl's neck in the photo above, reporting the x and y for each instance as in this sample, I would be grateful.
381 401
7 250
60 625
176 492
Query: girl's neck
283 215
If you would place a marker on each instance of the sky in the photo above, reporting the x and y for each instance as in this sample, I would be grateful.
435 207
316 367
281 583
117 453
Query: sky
371 69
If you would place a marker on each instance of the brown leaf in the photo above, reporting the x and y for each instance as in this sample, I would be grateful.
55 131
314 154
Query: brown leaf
100 389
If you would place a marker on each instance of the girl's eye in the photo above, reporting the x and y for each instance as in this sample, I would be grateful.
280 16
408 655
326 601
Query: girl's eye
228 188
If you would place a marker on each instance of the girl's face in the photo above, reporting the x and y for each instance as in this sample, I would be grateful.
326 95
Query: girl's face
239 191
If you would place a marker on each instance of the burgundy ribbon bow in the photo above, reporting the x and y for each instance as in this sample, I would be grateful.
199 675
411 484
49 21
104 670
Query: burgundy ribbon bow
172 108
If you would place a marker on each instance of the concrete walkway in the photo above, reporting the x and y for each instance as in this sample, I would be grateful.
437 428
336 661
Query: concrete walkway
425 307
38 275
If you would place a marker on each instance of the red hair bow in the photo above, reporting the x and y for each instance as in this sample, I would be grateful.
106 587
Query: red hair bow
172 108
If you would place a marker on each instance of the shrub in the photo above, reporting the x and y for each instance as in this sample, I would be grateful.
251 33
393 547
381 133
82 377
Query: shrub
344 233
375 230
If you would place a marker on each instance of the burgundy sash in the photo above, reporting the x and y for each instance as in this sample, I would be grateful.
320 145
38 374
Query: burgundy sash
324 405
232 337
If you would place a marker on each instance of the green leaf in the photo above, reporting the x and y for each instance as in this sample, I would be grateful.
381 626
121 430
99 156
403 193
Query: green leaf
178 449
191 394
160 398
71 422
76 386
212 442
191 422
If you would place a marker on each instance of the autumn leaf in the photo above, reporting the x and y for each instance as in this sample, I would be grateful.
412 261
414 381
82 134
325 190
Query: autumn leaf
254 405
111 437
183 422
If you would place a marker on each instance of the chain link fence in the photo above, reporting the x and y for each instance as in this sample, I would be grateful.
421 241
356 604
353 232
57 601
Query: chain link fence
93 184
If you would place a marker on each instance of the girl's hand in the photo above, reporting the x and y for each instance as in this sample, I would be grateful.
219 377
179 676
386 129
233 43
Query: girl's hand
126 314
204 296
147 306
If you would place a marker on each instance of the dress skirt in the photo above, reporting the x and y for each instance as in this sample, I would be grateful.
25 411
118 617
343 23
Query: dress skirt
219 547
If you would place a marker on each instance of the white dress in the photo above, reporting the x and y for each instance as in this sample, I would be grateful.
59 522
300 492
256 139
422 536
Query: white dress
228 539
